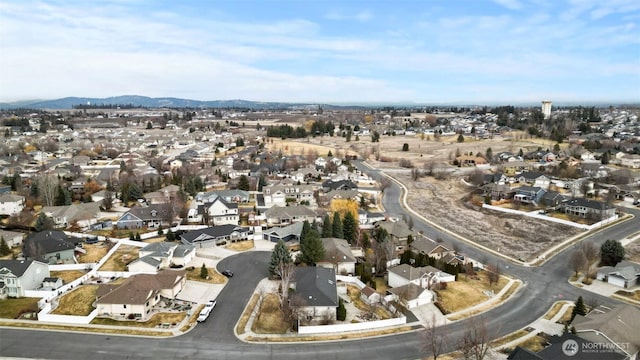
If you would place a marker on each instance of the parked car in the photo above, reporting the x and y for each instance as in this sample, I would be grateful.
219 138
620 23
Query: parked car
228 273
204 313
92 240
210 305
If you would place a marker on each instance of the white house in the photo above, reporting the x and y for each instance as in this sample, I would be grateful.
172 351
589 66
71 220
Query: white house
422 276
11 204
412 295
16 276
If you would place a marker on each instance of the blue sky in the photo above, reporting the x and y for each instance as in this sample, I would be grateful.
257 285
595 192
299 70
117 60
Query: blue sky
335 51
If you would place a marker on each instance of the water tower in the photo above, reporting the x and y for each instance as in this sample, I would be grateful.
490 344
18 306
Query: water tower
546 109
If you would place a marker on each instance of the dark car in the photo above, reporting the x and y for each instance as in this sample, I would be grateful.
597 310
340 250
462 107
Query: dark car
227 273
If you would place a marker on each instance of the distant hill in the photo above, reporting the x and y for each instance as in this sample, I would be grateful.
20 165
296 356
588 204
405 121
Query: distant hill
148 102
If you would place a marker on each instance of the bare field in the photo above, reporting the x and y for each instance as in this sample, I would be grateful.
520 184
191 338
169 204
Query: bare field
633 251
441 201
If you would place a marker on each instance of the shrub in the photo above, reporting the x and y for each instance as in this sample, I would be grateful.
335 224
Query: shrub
341 312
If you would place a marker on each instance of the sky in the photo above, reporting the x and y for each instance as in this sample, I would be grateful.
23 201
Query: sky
323 51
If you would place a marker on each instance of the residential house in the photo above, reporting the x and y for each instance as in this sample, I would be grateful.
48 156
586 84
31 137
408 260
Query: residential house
219 212
534 178
615 326
625 274
286 215
594 169
338 185
552 199
497 191
470 160
631 161
161 255
528 194
230 196
151 217
286 192
11 204
290 233
12 238
82 214
425 276
137 295
315 293
17 276
353 195
398 232
215 235
369 218
412 295
49 246
587 208
338 256
428 247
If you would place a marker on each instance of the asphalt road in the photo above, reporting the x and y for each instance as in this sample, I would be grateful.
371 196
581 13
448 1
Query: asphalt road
215 339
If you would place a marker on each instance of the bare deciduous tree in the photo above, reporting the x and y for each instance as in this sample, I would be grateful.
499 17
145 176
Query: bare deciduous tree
284 270
591 253
47 188
577 261
493 273
433 338
385 182
474 344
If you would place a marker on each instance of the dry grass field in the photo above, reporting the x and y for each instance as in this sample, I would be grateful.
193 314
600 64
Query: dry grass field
270 318
12 308
442 201
95 252
68 275
78 302
214 276
240 245
467 292
633 251
121 258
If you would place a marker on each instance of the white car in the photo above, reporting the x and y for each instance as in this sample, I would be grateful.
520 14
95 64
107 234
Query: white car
204 314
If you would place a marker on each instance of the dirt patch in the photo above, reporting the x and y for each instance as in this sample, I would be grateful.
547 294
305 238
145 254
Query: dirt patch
444 202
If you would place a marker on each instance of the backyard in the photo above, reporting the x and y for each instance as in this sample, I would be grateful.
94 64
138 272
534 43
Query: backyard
156 320
270 318
124 255
95 252
77 302
67 276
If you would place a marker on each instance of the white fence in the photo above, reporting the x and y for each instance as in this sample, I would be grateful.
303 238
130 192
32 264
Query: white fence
67 319
368 325
65 267
537 215
351 280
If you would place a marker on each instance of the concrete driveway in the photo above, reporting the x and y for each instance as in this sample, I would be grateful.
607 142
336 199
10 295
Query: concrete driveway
199 292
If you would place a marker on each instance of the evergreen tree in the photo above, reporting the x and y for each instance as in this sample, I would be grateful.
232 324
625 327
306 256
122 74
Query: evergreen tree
43 222
312 249
4 247
132 236
280 255
460 138
138 238
134 192
204 272
611 253
341 312
243 183
336 225
306 227
349 227
579 308
261 182
170 235
327 231
62 196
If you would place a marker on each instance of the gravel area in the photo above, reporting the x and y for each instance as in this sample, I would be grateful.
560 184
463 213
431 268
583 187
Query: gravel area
441 201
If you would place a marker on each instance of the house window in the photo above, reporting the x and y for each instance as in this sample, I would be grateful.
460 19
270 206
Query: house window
124 306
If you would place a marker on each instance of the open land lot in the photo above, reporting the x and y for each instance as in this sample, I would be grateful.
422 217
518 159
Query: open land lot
633 251
121 258
77 302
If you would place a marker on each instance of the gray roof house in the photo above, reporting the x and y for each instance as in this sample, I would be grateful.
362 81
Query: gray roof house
338 255
16 276
49 246
625 274
316 295
288 233
588 208
215 235
618 326
285 215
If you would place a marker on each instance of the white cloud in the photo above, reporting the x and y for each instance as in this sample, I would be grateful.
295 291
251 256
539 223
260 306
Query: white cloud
509 4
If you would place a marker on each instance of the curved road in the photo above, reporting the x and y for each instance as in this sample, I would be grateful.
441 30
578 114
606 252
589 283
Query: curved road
215 339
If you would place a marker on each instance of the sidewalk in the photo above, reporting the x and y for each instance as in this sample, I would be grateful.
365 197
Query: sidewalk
541 325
